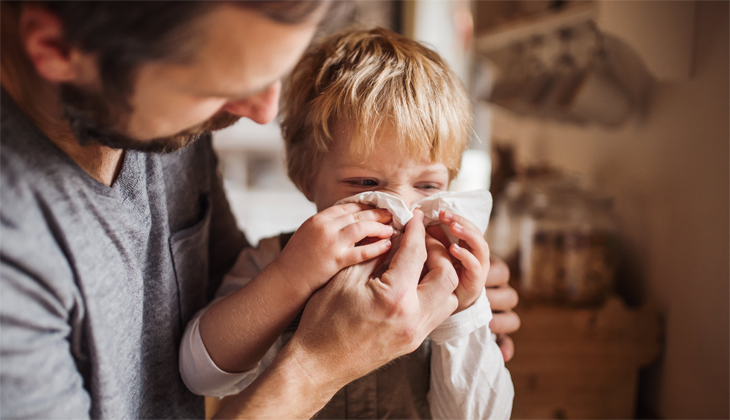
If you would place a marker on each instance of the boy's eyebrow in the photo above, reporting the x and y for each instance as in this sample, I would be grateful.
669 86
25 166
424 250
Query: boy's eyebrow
361 165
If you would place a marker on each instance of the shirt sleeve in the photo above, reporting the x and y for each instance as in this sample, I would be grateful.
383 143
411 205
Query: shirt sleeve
39 377
468 376
200 374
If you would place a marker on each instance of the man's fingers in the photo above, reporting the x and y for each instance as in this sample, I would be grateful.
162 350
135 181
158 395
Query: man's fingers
340 210
506 346
504 322
362 272
356 232
408 260
498 273
437 232
502 298
362 253
375 215
436 290
355 212
436 295
437 253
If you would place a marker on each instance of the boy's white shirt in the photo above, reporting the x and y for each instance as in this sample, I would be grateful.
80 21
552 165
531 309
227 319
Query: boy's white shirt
468 376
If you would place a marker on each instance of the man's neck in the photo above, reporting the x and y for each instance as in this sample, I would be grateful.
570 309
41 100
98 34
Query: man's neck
40 101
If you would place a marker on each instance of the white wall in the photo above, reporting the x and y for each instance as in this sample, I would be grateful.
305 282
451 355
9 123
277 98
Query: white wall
669 175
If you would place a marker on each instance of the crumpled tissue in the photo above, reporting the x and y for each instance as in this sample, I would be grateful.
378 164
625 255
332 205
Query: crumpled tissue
475 206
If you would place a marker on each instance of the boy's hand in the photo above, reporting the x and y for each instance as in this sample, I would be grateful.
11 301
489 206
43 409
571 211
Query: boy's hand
470 254
325 244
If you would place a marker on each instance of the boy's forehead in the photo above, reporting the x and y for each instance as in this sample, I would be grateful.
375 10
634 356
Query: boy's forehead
385 152
385 156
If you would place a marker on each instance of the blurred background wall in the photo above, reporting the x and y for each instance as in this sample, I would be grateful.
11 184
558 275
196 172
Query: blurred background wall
668 172
666 167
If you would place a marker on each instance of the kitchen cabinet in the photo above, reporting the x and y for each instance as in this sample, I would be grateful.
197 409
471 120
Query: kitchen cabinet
582 363
661 33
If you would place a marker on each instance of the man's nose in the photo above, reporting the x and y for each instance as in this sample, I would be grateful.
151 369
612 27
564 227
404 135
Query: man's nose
261 107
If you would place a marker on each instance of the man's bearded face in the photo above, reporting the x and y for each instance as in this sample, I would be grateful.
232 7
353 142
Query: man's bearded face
94 118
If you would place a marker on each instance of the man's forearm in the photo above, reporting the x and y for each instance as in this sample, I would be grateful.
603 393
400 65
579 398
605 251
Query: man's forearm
286 389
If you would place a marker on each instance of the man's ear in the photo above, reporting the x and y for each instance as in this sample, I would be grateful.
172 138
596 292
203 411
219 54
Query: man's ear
42 37
308 193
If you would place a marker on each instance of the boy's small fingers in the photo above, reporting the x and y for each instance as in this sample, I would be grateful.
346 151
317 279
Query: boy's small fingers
469 262
464 230
472 238
449 218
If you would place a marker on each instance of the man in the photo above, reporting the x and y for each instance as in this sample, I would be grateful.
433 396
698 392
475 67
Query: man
108 249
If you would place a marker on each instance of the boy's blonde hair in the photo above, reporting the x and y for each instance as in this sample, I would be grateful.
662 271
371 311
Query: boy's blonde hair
368 78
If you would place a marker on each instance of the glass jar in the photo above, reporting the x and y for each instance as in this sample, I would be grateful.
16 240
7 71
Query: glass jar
567 247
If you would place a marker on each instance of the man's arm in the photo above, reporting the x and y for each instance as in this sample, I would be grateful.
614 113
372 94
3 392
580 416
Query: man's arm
352 326
39 378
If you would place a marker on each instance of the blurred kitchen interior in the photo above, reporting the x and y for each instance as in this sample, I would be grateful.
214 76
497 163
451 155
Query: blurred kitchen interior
622 103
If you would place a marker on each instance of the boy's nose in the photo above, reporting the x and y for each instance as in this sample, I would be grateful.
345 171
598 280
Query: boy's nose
261 107
403 195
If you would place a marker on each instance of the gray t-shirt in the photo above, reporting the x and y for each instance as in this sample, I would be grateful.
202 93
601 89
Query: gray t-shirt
97 283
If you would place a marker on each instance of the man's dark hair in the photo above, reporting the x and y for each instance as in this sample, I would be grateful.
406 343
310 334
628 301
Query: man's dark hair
126 34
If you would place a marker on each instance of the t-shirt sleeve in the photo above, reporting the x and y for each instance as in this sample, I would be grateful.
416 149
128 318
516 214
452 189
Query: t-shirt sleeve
39 377
200 374
468 376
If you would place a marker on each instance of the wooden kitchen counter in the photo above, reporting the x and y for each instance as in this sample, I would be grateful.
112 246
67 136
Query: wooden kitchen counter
581 363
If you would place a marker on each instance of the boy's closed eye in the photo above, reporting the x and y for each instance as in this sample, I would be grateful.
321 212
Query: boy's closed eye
362 182
430 187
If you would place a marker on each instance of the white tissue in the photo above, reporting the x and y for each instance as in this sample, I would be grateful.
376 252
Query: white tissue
474 206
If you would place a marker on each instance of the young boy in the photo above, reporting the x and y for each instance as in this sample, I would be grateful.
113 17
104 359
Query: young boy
367 110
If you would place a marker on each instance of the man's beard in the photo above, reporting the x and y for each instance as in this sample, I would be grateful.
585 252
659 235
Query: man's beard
93 119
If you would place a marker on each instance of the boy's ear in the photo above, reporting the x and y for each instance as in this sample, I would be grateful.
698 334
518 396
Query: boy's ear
42 36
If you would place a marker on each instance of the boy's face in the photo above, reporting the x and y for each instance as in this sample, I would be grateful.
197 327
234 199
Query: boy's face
387 169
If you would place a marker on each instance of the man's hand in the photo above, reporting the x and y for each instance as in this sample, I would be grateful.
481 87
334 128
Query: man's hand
353 325
357 322
502 299
326 243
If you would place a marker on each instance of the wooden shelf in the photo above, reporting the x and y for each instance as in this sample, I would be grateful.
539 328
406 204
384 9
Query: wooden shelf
659 33
522 30
582 363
